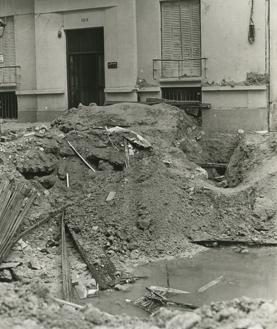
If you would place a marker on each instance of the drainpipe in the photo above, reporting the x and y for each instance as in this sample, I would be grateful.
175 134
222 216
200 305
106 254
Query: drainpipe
268 61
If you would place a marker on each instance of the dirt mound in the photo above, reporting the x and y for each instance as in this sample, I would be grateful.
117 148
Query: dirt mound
143 158
254 152
163 125
146 197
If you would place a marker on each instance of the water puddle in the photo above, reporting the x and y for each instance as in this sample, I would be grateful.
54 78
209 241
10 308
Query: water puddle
251 274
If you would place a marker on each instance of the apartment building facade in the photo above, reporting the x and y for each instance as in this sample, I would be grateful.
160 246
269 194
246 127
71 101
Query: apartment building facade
55 54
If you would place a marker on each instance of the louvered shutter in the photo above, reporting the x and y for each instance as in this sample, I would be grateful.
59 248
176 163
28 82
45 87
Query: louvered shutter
190 13
7 49
181 38
171 40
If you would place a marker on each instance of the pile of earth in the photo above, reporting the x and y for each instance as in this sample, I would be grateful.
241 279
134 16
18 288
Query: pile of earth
162 198
32 307
253 168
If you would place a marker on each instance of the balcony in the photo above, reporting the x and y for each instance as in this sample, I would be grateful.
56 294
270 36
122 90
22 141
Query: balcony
179 69
9 76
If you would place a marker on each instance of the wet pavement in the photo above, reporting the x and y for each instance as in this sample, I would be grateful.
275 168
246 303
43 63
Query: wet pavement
252 273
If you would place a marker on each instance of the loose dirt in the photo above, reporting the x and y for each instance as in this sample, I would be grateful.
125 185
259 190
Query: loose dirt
162 198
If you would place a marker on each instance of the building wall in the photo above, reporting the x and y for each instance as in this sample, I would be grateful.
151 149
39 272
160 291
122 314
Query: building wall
149 37
42 88
133 39
119 22
273 66
230 57
225 39
22 10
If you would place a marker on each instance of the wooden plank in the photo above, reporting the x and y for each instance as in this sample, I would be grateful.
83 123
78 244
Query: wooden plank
168 290
250 243
12 207
10 215
64 302
66 274
210 284
16 222
103 271
80 156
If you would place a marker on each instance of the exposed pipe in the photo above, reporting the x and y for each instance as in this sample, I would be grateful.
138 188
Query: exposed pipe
268 61
251 31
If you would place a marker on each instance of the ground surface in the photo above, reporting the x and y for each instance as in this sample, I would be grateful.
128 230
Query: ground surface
162 201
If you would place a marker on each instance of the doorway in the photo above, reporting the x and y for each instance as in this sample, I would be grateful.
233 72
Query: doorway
85 66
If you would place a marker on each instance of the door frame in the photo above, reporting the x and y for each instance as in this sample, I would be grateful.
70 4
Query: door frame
69 98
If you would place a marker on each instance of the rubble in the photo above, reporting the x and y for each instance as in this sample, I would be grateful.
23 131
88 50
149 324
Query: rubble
129 178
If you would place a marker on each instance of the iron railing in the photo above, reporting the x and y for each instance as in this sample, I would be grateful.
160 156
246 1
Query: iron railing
179 68
9 75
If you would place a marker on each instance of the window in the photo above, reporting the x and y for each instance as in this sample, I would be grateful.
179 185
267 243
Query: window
181 50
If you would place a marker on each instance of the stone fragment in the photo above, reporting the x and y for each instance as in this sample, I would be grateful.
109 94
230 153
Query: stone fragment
95 316
111 196
81 290
264 208
144 223
244 323
48 181
6 276
184 321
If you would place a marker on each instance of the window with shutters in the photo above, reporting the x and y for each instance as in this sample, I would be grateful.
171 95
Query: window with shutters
181 50
7 53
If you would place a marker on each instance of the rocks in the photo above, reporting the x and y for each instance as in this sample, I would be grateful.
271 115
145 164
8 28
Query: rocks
243 323
6 275
144 223
95 316
264 208
184 321
36 164
30 324
48 181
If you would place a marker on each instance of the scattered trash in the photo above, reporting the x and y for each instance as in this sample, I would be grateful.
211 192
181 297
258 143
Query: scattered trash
92 293
153 300
210 284
131 136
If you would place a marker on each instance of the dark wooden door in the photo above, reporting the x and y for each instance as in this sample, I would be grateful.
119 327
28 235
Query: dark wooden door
85 66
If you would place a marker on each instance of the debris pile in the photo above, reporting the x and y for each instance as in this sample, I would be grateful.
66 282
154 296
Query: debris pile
127 180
